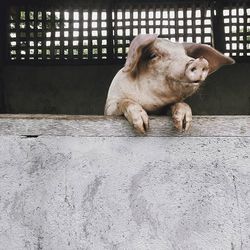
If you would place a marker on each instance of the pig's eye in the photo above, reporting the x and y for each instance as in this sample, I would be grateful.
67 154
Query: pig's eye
152 56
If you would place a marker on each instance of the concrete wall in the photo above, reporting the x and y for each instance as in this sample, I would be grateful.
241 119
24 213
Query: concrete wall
83 90
62 187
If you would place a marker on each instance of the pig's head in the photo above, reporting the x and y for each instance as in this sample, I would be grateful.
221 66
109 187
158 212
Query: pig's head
182 62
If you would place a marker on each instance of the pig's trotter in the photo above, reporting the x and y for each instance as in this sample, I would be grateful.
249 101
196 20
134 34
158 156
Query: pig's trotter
182 116
135 114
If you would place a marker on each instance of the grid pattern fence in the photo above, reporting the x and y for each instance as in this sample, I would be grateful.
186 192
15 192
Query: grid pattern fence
189 22
86 34
236 21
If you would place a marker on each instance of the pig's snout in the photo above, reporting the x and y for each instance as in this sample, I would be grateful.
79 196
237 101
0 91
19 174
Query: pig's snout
197 70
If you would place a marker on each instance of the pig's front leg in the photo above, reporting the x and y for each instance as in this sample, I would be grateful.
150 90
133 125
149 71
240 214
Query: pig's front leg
182 116
135 114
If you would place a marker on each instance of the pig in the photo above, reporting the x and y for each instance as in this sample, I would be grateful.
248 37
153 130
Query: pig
157 73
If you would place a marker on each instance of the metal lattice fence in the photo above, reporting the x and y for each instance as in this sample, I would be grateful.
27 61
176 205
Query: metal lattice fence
86 33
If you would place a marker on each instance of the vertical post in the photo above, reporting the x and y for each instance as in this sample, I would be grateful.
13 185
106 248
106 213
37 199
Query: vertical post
80 39
110 52
3 28
218 26
90 45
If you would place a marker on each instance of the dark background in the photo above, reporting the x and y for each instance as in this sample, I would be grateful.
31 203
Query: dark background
82 89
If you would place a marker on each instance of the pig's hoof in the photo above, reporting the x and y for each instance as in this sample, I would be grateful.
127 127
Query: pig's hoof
182 116
138 118
140 122
182 123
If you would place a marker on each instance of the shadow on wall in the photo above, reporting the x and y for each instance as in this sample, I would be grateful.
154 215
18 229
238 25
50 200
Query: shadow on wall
83 90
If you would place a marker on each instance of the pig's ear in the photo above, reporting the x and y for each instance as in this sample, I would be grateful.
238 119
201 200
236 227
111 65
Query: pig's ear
213 56
135 51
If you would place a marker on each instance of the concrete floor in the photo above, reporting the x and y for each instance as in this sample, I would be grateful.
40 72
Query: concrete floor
160 191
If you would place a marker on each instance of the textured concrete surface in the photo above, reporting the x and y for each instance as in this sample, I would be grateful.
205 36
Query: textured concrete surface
133 193
108 126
